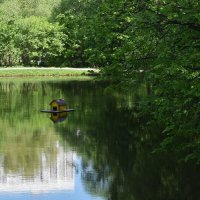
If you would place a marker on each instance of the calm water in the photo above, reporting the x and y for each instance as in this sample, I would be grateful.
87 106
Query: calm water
101 151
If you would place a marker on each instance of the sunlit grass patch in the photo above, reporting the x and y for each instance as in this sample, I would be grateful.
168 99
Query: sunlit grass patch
43 72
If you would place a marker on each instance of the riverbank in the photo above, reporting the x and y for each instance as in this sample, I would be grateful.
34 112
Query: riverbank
46 72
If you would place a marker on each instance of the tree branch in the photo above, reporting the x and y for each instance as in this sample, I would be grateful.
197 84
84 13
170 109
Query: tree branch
189 24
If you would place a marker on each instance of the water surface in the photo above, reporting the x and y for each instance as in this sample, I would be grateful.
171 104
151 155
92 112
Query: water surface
101 151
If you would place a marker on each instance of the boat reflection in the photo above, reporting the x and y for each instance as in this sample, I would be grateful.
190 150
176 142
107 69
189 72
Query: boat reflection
58 117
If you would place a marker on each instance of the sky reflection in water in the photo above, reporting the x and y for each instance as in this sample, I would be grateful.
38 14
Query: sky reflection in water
76 193
35 162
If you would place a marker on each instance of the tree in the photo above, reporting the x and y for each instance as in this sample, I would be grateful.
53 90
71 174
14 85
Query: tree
27 37
156 42
12 9
9 52
38 40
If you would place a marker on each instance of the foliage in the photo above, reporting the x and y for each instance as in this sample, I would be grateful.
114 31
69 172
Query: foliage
30 41
8 51
38 40
154 40
12 9
27 37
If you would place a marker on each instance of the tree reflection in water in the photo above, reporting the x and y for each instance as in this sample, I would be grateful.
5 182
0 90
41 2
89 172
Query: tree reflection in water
112 134
117 148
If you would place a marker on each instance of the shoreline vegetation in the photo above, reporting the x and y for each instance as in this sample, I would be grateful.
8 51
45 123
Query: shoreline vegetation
20 72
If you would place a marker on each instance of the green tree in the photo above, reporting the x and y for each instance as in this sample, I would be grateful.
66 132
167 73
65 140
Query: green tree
27 37
30 41
38 40
9 52
156 41
12 9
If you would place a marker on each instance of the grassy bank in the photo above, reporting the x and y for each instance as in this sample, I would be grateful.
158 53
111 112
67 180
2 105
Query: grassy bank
46 72
35 79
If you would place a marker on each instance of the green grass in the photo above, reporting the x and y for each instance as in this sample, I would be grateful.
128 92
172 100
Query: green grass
43 72
35 79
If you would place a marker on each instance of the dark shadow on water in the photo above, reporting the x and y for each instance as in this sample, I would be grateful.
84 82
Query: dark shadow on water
117 145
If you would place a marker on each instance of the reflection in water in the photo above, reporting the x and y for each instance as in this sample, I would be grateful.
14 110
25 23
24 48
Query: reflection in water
109 133
58 117
50 176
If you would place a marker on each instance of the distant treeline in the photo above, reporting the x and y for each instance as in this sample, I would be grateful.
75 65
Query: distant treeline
119 35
